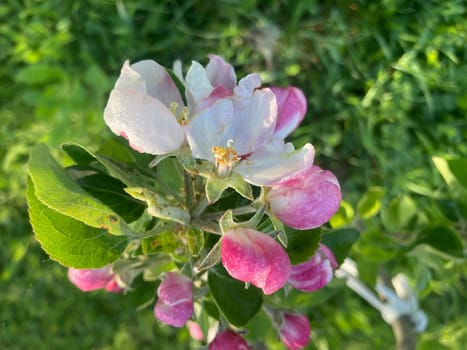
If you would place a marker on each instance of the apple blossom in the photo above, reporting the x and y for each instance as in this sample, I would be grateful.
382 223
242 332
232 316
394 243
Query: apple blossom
294 331
291 106
307 200
315 273
144 106
236 133
228 340
251 256
93 279
174 305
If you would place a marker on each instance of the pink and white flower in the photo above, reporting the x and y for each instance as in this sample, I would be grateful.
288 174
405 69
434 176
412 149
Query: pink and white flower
307 200
294 331
316 273
174 305
251 256
228 340
94 279
236 133
145 107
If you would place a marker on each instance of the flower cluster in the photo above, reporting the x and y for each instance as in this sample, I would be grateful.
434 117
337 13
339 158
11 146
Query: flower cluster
225 134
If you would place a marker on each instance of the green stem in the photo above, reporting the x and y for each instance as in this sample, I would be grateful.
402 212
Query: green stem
189 194
200 206
155 231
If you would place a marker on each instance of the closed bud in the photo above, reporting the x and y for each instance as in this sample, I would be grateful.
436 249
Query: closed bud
175 300
315 273
228 340
307 200
93 279
294 331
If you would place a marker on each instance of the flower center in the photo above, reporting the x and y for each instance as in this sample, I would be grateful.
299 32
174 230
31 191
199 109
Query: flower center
226 158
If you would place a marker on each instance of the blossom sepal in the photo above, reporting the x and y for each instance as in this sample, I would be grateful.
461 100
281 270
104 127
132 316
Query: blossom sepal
158 206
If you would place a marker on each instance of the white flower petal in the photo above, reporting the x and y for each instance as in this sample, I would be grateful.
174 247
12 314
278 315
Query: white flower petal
158 82
255 112
208 128
148 124
197 83
275 162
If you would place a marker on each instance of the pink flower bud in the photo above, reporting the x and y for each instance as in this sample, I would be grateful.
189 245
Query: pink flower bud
315 273
252 256
228 340
295 331
93 279
291 108
195 330
307 200
175 304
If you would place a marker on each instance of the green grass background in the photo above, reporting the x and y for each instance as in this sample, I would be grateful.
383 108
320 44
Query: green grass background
386 83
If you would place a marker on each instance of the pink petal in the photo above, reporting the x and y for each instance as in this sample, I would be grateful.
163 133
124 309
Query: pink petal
175 300
251 256
292 106
228 340
147 123
311 276
195 330
90 279
295 331
113 287
173 315
221 73
307 200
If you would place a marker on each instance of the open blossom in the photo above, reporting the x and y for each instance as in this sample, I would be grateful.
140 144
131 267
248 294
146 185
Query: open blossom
251 256
236 133
228 340
94 279
307 200
315 273
174 305
144 106
294 331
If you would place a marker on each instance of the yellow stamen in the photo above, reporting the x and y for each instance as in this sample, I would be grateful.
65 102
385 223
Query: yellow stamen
226 158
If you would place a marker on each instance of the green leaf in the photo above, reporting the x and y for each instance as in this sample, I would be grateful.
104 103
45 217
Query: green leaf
443 239
340 241
399 213
237 303
195 240
454 173
40 74
70 242
302 244
370 203
344 215
55 188
376 246
79 154
117 151
109 191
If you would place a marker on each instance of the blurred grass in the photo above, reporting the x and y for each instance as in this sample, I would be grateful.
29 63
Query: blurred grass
386 86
